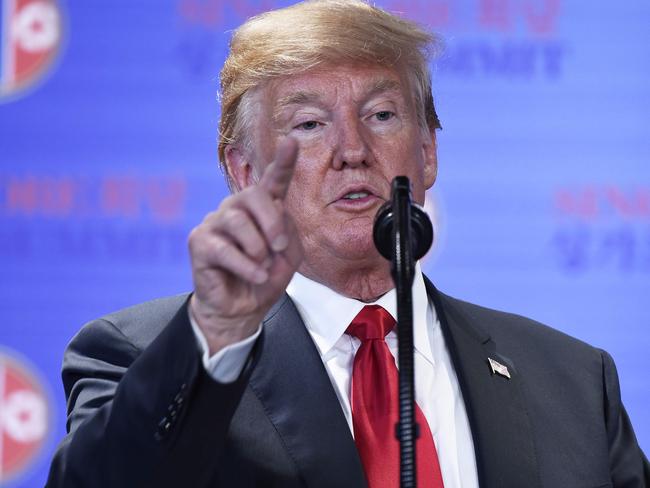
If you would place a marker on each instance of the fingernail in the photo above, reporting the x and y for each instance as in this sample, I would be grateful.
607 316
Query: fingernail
280 243
260 276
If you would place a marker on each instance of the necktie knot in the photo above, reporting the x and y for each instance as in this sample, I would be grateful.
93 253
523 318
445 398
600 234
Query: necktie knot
372 322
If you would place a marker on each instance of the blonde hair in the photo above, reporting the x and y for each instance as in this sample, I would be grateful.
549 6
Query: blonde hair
298 38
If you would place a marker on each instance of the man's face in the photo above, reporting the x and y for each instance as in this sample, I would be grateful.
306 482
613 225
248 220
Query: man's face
356 129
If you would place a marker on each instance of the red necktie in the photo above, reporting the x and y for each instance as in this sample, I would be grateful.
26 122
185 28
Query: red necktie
375 409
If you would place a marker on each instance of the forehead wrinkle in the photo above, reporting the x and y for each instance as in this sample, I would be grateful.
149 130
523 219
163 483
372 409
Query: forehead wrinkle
380 86
384 85
301 97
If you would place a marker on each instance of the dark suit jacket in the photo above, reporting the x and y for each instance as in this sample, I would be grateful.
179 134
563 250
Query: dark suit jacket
143 412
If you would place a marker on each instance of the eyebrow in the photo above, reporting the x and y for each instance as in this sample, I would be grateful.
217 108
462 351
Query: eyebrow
311 97
384 85
299 98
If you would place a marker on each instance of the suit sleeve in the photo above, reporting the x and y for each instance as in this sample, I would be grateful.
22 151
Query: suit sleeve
628 465
141 418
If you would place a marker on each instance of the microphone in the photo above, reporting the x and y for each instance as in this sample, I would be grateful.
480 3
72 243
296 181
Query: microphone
400 204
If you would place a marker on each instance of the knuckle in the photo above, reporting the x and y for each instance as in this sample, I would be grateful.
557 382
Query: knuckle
233 218
230 201
250 194
259 194
269 215
221 251
257 249
276 224
211 216
194 238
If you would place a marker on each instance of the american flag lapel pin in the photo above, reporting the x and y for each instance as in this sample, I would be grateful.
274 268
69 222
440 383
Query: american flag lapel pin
498 368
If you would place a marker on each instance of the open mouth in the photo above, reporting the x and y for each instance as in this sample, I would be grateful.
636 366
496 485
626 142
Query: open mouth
356 195
358 199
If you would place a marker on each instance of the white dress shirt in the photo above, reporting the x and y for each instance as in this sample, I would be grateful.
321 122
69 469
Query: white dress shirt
326 315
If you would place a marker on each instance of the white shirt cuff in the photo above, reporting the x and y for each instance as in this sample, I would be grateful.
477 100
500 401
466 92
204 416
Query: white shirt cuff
226 365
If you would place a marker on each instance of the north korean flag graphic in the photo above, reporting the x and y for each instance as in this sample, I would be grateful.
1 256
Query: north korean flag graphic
30 37
24 417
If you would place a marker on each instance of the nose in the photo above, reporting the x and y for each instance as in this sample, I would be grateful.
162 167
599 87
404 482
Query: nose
352 146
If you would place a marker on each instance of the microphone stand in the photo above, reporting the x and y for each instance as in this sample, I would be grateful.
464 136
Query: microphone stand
402 270
403 252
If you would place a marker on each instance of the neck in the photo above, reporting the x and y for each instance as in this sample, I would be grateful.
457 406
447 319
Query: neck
363 282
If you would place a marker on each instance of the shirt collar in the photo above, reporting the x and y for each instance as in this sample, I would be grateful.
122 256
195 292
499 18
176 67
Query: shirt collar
327 314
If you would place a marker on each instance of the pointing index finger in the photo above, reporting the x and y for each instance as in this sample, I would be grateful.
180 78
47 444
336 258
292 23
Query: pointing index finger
278 174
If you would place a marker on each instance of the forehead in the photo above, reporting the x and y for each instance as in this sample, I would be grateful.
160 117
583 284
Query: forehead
328 83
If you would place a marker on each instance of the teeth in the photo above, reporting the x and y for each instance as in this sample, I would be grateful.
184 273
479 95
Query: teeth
356 195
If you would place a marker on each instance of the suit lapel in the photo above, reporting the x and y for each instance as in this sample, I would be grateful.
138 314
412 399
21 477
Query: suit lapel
501 430
291 382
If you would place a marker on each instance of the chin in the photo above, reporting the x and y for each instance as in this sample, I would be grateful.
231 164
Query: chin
356 244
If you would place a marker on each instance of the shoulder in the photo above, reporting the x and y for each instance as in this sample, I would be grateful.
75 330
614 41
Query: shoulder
147 314
137 325
521 337
497 322
549 363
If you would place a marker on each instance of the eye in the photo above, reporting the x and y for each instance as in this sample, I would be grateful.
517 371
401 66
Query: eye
384 115
309 125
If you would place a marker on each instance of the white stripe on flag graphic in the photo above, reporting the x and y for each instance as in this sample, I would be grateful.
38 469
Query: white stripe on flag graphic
8 70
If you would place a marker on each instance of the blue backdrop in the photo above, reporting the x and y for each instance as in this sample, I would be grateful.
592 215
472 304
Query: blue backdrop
108 117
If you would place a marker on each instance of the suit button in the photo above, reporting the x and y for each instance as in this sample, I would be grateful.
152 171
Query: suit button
164 426
178 401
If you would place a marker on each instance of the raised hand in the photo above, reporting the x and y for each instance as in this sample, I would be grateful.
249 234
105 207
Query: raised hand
244 255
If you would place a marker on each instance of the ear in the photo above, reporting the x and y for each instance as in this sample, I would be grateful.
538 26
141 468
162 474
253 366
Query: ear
430 153
240 170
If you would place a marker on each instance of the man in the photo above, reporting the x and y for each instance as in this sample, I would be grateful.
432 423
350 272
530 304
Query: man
252 380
